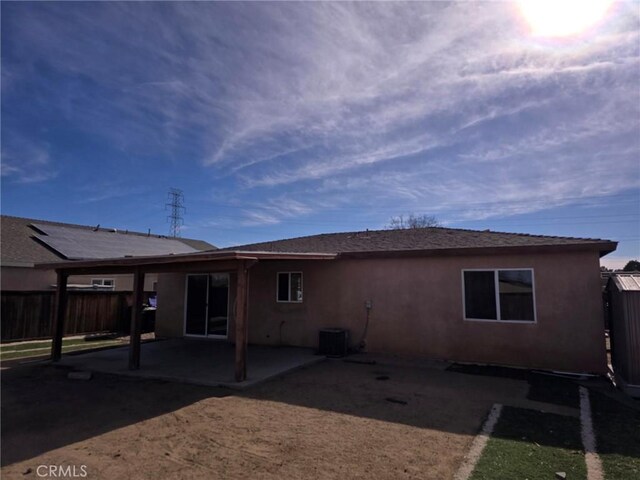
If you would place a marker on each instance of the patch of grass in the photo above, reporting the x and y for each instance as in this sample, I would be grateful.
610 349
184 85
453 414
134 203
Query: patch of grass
24 346
14 355
14 347
44 348
617 429
88 345
532 445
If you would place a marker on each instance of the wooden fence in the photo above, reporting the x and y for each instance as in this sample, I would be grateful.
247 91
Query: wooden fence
29 315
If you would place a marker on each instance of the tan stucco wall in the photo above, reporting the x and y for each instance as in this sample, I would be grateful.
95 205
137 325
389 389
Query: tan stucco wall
23 278
28 278
417 309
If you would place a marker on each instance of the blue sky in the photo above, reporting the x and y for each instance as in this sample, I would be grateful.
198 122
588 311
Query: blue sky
288 119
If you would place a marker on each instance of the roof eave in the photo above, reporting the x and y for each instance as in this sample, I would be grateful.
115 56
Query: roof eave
16 264
603 248
608 247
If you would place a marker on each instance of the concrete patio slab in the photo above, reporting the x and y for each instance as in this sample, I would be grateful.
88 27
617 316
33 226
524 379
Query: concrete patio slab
196 361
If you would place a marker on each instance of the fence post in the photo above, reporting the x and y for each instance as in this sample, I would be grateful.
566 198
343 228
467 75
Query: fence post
61 310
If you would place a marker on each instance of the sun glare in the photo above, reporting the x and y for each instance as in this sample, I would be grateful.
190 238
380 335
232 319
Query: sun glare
562 18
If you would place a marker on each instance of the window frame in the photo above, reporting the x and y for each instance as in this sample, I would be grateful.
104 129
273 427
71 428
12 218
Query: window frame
289 273
102 285
496 274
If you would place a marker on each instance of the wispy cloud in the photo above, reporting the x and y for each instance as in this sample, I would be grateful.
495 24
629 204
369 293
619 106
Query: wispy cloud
275 211
311 106
101 191
25 161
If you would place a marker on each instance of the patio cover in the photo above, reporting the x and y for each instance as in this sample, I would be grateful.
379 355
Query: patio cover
205 262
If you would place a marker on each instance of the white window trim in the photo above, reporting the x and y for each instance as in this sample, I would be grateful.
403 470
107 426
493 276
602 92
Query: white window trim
101 284
289 289
497 299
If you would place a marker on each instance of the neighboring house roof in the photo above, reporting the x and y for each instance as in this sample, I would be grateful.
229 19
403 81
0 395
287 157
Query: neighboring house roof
25 242
419 239
626 282
199 245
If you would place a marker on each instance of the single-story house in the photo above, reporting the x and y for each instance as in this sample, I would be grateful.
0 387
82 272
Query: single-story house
470 296
26 242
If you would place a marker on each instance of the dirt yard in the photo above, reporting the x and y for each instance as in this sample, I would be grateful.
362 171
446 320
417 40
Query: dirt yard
331 420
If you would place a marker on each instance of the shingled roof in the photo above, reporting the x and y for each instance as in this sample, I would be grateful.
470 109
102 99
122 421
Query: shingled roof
20 244
420 239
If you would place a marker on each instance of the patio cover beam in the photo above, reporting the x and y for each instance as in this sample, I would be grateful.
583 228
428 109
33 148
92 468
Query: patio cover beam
172 263
242 327
199 267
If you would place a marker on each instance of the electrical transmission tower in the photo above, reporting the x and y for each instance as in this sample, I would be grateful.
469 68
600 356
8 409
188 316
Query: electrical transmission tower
176 207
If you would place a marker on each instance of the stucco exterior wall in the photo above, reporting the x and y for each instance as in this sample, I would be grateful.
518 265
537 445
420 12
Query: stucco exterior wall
25 278
29 278
417 309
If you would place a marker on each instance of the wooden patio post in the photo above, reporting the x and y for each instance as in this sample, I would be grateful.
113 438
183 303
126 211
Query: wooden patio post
241 322
60 314
136 320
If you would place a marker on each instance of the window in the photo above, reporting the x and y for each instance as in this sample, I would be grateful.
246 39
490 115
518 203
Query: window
499 295
106 283
289 288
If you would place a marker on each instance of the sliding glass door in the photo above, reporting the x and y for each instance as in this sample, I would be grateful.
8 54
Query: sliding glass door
196 312
218 311
207 305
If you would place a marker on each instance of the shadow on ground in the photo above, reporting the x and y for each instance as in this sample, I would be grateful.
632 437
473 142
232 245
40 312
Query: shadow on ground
617 427
543 387
43 410
429 398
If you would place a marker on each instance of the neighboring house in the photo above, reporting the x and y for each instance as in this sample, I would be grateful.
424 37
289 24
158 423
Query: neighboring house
462 295
25 242
624 298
